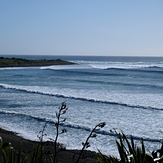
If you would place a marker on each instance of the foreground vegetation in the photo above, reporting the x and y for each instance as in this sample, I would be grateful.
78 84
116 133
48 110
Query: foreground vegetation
129 151
19 62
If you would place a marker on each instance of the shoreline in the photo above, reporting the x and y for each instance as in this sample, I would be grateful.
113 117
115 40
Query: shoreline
64 155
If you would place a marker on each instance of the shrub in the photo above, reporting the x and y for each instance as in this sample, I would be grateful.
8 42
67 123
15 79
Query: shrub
129 152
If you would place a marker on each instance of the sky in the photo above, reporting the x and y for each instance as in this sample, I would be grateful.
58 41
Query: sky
82 27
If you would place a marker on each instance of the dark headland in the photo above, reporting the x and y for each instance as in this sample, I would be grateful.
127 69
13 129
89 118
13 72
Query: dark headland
19 62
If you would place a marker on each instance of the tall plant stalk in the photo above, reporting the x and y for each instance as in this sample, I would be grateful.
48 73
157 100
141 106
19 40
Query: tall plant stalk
62 110
91 135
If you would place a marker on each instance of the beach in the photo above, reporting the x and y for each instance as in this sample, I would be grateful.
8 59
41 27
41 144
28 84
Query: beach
63 155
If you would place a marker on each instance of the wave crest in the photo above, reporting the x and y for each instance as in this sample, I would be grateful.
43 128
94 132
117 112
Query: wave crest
38 90
68 125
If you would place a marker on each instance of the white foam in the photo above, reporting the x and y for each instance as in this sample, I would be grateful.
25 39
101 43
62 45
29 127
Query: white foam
14 68
142 99
62 67
124 65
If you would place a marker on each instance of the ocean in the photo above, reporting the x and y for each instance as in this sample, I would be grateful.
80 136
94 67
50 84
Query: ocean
124 92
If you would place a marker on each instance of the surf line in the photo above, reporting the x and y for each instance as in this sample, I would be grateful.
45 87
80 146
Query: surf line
101 132
5 86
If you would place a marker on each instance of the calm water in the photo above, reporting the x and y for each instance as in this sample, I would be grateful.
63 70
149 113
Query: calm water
124 92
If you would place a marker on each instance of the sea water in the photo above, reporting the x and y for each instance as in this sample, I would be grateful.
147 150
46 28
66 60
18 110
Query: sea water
124 92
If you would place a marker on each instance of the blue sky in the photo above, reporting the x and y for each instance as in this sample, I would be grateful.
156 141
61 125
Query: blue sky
82 27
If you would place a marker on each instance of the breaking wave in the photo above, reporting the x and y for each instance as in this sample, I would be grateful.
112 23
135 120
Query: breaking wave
68 125
37 90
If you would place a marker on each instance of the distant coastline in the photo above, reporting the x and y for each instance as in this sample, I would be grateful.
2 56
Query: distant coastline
19 62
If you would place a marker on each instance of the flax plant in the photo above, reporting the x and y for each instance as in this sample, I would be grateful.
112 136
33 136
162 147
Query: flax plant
62 111
86 144
129 152
10 155
40 146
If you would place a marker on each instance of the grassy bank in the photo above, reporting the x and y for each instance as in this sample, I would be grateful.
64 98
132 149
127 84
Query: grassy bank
19 62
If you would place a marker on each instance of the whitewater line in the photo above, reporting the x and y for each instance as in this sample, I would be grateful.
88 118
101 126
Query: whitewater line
6 86
101 132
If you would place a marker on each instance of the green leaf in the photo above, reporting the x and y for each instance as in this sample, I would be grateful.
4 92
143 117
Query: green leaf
7 146
1 143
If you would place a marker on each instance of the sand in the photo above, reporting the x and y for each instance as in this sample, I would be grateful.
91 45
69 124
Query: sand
63 155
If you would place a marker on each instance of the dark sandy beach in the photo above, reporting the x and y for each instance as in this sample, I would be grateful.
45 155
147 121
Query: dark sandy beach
64 155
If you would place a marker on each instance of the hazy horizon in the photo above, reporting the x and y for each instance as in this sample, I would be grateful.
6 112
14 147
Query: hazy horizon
79 55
